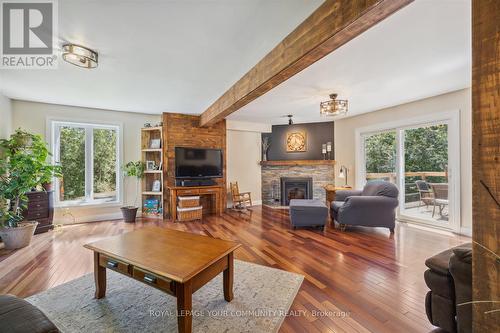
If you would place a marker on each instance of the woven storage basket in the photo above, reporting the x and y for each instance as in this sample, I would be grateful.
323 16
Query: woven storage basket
188 202
189 214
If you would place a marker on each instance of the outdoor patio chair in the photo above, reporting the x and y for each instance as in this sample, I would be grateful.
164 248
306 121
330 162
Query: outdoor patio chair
440 197
426 195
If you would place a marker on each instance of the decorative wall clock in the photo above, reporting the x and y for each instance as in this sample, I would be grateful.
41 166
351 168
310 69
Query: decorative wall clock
296 141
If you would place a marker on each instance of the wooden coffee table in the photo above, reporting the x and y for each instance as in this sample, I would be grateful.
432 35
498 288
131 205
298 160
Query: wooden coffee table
176 262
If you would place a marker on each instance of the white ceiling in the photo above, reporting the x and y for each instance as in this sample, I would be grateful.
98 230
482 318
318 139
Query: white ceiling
158 55
421 51
180 56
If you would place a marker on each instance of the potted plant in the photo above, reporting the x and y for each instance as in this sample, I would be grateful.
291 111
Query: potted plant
23 166
132 169
47 174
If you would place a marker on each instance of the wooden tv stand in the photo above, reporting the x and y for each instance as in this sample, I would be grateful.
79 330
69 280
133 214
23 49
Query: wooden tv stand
217 191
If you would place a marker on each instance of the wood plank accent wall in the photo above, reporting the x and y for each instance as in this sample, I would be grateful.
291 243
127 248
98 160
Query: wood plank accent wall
486 163
330 26
180 130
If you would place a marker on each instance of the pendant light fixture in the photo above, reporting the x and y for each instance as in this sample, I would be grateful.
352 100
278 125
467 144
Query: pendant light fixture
80 56
333 107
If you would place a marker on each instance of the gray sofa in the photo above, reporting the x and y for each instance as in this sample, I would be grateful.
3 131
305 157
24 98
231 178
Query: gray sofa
374 206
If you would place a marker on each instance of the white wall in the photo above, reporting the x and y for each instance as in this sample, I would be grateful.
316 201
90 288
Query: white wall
458 100
243 157
5 117
33 116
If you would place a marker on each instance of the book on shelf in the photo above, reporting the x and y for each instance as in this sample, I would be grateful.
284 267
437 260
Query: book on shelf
152 207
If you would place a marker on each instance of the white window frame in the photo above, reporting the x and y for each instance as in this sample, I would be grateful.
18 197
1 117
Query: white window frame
53 126
452 119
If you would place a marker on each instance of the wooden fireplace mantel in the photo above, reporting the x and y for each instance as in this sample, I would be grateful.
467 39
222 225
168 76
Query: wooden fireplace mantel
297 162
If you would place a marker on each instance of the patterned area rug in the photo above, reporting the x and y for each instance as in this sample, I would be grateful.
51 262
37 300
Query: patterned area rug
262 297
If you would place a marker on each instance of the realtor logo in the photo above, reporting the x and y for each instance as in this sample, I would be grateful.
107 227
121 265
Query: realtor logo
28 34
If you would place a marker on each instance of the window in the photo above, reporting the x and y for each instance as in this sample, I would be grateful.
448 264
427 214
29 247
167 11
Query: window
421 156
380 156
89 155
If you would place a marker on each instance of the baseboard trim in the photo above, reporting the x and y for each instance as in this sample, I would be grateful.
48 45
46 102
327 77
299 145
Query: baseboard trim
254 202
100 217
94 218
466 231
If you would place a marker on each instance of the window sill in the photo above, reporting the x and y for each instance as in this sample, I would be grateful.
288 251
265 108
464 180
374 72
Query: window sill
89 205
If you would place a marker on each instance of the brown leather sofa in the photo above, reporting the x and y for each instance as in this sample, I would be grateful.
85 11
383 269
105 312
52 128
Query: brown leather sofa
19 316
449 279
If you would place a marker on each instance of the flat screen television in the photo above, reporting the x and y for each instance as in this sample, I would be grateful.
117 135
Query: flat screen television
197 163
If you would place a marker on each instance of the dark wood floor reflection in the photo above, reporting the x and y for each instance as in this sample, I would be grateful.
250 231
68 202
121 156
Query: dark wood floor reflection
360 280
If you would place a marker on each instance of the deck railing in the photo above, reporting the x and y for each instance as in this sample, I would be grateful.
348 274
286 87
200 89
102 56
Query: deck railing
411 191
392 175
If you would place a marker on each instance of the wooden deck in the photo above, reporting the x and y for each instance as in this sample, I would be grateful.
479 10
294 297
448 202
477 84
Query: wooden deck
361 280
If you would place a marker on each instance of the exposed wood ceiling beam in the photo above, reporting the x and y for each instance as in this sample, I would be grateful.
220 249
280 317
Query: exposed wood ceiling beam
333 24
485 161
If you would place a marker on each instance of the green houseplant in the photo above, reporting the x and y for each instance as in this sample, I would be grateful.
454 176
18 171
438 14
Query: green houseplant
23 166
135 170
47 174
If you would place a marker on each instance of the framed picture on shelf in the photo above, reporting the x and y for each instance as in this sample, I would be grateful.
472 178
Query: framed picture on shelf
156 186
150 165
155 144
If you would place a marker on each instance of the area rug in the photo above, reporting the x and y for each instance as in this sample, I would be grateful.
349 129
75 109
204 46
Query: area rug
262 297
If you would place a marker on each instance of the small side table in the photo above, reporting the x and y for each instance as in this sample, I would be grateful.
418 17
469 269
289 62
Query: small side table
331 190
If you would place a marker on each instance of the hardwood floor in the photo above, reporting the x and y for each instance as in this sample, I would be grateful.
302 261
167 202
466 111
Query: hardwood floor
360 280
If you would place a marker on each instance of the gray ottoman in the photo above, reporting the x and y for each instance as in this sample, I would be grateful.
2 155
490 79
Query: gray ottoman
308 213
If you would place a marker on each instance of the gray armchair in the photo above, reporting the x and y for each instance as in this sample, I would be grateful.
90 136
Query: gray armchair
372 207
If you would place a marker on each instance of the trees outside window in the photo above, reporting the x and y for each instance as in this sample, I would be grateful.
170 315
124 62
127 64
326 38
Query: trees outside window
425 151
104 164
380 152
72 159
89 158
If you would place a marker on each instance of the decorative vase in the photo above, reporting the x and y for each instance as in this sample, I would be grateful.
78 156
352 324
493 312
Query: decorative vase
18 237
47 187
129 214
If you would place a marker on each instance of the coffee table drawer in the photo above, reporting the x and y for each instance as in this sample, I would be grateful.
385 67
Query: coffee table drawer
114 264
154 280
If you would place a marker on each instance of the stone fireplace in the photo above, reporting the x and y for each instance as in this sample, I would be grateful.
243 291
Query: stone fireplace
295 188
317 174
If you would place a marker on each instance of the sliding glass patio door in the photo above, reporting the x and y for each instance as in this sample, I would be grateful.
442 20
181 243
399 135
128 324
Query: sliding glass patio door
422 159
425 182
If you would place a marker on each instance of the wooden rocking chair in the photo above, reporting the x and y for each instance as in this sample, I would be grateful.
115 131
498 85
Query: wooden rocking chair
240 200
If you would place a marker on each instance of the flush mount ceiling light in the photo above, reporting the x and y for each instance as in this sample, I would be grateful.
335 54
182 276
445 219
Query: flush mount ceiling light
80 56
333 107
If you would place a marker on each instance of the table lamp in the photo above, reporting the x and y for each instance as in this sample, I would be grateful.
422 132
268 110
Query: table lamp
343 174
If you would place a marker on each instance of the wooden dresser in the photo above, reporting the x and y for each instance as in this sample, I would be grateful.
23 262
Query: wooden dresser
40 208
